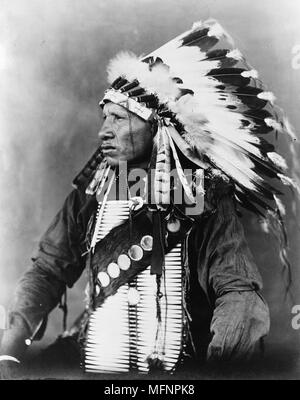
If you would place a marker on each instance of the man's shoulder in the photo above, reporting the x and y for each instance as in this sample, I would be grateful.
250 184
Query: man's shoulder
78 202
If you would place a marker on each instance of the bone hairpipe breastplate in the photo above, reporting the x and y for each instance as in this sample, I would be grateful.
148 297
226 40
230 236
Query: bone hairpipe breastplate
123 331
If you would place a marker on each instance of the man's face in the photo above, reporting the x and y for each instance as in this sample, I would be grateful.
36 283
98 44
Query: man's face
124 136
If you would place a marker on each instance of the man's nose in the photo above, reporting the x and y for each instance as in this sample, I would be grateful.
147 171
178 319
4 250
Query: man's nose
106 131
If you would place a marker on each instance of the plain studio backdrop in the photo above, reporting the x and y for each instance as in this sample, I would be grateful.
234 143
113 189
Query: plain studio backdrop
53 56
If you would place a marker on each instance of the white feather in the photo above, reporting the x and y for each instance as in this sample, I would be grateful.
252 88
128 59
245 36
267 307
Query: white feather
289 128
235 164
273 124
186 148
268 96
163 168
280 205
277 159
197 25
264 225
235 54
286 180
252 73
125 64
217 30
180 172
158 81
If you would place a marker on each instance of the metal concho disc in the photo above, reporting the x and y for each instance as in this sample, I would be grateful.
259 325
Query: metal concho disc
103 278
147 243
133 296
124 262
173 225
113 270
135 252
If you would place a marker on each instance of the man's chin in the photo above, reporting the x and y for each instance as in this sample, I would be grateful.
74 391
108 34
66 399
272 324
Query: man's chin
112 161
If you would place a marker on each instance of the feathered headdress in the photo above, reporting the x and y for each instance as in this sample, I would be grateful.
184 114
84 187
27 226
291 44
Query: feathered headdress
211 106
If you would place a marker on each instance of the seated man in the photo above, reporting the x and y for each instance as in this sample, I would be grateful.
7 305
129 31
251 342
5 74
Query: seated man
168 281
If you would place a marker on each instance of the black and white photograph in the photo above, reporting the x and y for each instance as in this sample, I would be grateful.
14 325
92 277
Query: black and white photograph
150 192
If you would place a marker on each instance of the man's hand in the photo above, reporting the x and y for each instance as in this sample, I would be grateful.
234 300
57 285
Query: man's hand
9 370
12 348
240 320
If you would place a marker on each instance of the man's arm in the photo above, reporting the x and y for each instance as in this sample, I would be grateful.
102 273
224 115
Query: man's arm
57 264
228 272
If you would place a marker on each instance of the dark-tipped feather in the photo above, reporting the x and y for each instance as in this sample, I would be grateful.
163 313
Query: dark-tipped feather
200 39
221 56
231 76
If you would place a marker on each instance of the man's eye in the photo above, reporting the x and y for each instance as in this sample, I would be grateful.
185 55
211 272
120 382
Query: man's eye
118 116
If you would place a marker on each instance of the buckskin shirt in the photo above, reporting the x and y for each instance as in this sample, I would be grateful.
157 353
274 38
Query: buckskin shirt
228 314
